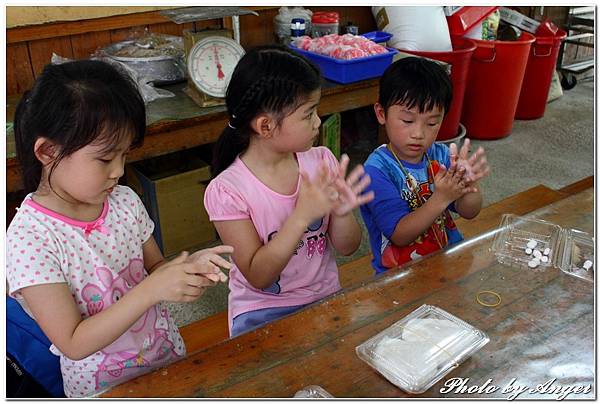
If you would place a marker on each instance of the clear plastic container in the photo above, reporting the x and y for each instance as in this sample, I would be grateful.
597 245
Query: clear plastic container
312 392
325 23
510 242
578 247
419 350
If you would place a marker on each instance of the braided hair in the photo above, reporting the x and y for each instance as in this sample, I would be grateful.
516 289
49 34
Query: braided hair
267 79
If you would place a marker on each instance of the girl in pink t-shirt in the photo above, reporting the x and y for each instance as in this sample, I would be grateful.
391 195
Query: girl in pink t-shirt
282 204
81 258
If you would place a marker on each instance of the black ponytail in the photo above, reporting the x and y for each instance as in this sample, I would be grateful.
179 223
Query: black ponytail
269 79
31 167
228 146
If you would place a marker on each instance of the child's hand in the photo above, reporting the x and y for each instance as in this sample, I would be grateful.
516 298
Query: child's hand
349 189
179 280
476 166
210 261
450 183
318 197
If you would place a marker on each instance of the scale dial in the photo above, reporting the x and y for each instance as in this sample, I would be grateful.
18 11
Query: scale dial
211 62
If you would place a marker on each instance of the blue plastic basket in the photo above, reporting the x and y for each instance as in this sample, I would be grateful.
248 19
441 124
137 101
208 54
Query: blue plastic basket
349 71
377 36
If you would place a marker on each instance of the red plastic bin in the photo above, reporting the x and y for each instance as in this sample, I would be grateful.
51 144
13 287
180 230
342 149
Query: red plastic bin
538 76
459 58
493 86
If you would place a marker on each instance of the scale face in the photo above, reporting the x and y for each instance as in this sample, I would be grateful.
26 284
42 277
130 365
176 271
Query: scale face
211 62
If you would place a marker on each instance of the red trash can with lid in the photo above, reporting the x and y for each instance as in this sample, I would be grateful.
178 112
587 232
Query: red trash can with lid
538 75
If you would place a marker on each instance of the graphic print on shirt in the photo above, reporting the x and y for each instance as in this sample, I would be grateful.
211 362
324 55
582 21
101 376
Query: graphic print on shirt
145 344
313 244
392 255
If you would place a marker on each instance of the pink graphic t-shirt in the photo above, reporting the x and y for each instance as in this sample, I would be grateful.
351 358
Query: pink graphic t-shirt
100 261
312 273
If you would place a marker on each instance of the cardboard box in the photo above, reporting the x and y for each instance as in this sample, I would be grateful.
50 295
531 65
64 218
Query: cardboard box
172 189
330 133
519 20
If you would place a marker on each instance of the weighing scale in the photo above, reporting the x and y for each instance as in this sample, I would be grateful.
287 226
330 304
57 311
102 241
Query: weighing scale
211 54
210 64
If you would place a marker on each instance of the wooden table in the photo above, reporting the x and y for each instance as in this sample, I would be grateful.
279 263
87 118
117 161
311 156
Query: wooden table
543 330
178 123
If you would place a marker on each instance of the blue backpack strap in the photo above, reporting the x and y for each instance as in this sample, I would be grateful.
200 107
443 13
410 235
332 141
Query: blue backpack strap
29 346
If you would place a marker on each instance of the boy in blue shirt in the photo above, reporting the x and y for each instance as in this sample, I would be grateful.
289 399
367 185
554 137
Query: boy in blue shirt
417 181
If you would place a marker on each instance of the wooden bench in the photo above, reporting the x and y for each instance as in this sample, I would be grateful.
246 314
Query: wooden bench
212 330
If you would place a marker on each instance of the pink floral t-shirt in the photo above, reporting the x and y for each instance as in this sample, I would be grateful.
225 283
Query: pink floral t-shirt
311 273
100 261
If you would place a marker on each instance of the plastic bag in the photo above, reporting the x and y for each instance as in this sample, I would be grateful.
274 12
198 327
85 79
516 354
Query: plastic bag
147 90
282 21
420 28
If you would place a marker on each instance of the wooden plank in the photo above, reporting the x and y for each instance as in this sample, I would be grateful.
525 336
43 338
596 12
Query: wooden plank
124 34
169 28
257 30
33 32
519 204
41 51
581 185
84 45
205 333
19 73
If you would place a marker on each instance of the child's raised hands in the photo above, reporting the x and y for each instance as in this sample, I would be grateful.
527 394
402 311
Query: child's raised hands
450 184
475 166
317 197
350 188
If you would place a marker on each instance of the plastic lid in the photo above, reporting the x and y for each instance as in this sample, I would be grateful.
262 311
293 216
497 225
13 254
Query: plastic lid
577 256
417 351
325 17
467 17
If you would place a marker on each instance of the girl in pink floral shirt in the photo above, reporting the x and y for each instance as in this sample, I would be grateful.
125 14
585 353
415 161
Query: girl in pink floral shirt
81 258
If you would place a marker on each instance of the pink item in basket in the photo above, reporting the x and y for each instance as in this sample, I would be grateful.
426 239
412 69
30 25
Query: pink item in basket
303 42
354 53
345 47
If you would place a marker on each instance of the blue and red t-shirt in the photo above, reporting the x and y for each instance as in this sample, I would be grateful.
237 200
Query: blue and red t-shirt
394 199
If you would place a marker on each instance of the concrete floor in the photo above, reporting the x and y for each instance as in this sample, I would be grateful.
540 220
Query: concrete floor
555 151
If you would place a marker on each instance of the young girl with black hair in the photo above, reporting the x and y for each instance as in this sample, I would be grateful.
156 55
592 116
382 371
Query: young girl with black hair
283 204
80 248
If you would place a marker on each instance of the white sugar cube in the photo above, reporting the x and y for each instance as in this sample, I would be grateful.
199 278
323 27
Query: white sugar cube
531 243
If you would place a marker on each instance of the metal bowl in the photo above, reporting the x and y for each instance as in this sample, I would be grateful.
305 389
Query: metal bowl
163 64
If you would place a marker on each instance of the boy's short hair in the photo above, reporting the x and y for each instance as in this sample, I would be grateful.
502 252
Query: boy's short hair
415 81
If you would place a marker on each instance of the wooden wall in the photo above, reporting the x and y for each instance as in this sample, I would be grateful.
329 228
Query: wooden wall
30 48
